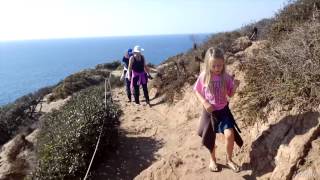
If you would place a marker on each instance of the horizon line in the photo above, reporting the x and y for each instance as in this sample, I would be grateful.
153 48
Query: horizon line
102 36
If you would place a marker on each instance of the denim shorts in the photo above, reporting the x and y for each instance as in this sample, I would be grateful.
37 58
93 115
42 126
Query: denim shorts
224 119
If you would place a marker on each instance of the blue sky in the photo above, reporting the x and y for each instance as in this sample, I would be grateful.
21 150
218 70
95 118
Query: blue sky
43 19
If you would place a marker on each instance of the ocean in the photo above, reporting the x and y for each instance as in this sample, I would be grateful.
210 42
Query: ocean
26 66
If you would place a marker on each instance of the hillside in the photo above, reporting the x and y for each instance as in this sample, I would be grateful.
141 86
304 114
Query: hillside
277 108
162 142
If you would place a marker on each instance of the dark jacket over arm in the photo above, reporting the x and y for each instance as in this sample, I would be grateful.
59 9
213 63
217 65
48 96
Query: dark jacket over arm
207 131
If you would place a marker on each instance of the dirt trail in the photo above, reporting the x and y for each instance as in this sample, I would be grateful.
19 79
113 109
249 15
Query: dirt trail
164 135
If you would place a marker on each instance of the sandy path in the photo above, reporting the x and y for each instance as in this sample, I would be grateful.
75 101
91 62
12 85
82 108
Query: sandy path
163 140
138 142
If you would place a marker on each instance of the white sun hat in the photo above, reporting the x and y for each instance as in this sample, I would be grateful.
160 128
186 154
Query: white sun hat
138 49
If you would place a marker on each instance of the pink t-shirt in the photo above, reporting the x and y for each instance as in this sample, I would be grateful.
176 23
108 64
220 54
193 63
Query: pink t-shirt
218 99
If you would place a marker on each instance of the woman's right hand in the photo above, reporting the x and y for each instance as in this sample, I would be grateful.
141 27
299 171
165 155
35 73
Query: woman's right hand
122 77
208 107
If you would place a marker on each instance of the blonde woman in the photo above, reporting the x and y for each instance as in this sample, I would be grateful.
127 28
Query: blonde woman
212 88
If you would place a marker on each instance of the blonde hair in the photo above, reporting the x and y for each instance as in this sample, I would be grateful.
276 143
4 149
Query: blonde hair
212 55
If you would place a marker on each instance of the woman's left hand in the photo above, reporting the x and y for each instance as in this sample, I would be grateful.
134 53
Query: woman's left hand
149 76
236 83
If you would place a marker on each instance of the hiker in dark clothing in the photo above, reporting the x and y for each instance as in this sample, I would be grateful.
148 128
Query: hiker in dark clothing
254 34
124 75
138 74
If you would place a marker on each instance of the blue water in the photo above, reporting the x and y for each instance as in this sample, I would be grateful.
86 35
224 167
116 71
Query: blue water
26 66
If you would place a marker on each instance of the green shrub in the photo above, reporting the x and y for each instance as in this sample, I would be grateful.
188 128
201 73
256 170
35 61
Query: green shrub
110 66
115 81
19 115
68 136
150 65
77 82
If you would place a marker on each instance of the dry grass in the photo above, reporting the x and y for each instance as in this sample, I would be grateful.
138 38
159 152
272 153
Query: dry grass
178 70
287 74
292 15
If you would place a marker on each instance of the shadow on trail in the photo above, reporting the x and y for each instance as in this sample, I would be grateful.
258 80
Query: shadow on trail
134 154
155 101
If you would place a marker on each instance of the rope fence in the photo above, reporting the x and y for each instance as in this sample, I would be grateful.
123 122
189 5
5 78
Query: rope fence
107 89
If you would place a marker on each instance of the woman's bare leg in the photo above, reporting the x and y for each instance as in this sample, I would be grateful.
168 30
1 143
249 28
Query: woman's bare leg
213 161
229 140
213 154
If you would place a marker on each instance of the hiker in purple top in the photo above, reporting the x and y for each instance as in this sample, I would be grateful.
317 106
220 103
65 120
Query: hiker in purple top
138 74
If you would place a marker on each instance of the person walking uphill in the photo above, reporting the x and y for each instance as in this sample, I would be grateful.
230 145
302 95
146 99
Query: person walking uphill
138 73
125 73
212 88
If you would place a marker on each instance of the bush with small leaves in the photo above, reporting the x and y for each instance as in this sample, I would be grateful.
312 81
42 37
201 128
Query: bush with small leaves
110 66
77 82
16 116
68 136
